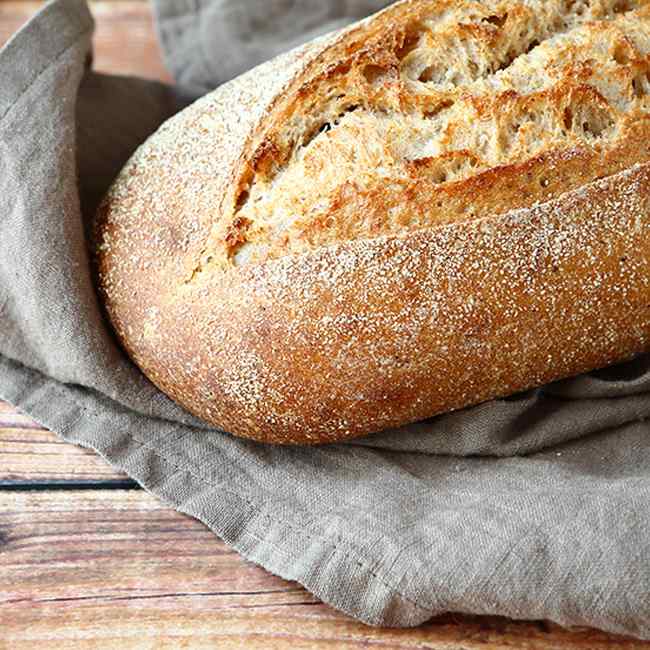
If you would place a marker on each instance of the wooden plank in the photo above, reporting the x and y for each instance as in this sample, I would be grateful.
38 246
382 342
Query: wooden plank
124 41
87 570
31 455
10 418
38 456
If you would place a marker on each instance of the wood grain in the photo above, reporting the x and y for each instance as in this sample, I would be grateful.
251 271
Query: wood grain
124 41
78 570
9 417
30 455
39 456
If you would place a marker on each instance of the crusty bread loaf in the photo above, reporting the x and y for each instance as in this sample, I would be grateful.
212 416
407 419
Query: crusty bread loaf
445 203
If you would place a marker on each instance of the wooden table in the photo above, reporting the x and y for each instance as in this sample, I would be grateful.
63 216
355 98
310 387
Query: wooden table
88 560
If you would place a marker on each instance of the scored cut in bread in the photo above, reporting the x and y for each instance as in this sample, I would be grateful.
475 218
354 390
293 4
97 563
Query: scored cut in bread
443 204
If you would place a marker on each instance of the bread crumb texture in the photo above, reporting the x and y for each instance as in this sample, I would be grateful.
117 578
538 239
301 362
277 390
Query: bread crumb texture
442 204
525 100
454 110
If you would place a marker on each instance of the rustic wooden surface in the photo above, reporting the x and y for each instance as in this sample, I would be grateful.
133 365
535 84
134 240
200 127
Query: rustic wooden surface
115 568
88 560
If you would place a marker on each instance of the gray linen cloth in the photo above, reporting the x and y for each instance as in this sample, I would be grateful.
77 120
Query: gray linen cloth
531 507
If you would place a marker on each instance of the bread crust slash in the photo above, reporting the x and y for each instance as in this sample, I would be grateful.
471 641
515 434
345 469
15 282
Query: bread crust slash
438 273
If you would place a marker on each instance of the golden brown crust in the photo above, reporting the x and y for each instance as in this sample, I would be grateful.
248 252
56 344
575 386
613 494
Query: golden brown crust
350 337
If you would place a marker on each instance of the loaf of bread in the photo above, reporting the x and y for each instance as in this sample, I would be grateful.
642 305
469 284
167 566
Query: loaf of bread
443 204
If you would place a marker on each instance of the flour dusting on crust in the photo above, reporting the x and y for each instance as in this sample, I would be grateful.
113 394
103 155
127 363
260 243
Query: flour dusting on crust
420 288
